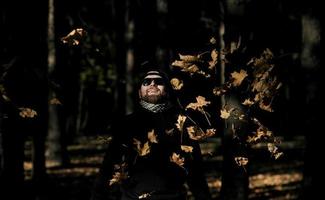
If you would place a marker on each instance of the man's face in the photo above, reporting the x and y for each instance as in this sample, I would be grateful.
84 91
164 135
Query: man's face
153 89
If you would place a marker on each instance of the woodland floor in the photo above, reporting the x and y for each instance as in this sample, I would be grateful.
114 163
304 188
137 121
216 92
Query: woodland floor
269 179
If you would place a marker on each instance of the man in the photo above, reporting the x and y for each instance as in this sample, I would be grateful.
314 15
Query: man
145 159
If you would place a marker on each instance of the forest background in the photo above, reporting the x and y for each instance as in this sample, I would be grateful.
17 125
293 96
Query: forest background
68 69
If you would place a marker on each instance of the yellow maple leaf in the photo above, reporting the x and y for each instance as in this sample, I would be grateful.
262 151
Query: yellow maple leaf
141 149
225 114
27 112
152 136
237 78
241 161
177 159
55 101
74 37
186 148
180 122
176 83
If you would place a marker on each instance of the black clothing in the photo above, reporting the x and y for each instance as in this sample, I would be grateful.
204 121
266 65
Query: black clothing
152 173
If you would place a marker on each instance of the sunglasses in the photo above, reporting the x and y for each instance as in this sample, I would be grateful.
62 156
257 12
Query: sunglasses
157 81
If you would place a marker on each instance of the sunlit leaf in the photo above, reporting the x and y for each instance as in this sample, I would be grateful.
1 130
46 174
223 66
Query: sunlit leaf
55 101
74 37
141 149
186 148
241 161
152 136
237 78
176 83
180 122
27 113
177 159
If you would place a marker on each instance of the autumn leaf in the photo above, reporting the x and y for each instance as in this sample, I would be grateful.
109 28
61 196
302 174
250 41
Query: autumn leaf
141 149
144 196
55 101
195 133
200 103
274 150
189 58
176 83
213 40
180 122
152 136
225 114
120 174
241 161
186 148
27 112
74 37
181 64
237 78
248 102
177 159
214 57
118 177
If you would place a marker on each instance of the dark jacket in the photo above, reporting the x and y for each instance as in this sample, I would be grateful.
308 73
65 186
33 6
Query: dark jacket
152 174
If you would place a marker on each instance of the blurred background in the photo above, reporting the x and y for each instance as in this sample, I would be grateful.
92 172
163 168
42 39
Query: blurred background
60 92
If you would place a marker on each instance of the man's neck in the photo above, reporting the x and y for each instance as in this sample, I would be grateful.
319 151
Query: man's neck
155 108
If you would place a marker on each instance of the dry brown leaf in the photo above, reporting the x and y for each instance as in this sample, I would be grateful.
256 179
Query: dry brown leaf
74 37
195 133
176 83
241 161
141 149
118 177
187 149
248 102
55 101
189 58
144 196
237 78
177 159
200 102
27 112
180 122
225 114
152 136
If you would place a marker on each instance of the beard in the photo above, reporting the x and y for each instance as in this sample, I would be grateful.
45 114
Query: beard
154 98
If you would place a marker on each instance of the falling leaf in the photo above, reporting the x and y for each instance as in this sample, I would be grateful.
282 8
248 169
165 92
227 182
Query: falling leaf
55 101
175 158
241 161
225 114
195 133
181 64
200 102
189 58
120 173
141 149
213 40
265 107
186 148
214 57
237 78
180 122
74 37
248 102
118 177
144 196
274 150
152 136
176 83
27 112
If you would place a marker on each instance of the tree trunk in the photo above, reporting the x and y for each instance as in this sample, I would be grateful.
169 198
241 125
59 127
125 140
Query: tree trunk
310 62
